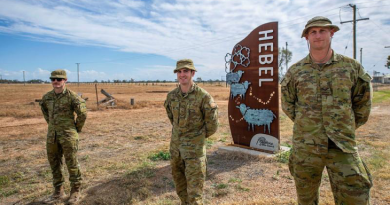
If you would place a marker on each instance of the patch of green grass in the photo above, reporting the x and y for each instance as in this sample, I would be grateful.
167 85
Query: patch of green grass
7 193
221 186
276 175
209 143
161 155
223 139
381 96
377 161
17 176
283 156
241 188
235 180
4 180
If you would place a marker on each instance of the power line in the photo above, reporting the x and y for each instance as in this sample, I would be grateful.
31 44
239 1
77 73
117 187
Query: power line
354 27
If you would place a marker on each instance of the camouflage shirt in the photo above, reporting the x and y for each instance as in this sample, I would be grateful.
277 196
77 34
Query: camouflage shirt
59 109
194 117
324 102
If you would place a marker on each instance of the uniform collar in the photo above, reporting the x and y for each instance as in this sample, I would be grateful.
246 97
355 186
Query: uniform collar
63 92
180 93
334 58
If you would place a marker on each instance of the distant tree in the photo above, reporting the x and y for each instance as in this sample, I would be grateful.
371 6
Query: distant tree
35 81
95 81
198 79
388 62
284 55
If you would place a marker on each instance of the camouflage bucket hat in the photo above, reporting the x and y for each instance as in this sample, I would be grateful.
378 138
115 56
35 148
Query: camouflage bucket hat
319 21
58 74
184 63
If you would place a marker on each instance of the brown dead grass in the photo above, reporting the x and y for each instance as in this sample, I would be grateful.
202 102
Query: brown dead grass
115 146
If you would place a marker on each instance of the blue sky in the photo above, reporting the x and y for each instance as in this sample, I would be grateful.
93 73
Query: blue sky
121 39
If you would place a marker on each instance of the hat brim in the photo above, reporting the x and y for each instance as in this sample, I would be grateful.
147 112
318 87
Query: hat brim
334 27
184 67
58 76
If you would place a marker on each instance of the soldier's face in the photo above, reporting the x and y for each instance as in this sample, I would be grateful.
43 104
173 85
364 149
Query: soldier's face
58 83
319 38
184 76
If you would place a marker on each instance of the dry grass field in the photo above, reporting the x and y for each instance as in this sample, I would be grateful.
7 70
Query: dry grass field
123 151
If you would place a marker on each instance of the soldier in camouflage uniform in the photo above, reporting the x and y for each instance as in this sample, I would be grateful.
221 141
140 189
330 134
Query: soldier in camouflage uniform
328 96
58 107
194 117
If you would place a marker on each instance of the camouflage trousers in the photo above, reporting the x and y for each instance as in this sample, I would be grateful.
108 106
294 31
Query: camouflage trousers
189 177
349 177
63 146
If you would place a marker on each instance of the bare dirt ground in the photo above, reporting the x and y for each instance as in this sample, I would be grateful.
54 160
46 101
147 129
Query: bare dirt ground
117 147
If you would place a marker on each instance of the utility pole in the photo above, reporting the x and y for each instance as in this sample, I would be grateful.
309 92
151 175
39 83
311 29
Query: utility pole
78 75
354 27
24 79
361 53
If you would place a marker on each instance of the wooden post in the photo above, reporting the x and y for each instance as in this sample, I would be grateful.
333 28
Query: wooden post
97 99
131 101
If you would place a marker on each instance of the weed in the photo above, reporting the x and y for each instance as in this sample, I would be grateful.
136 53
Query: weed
223 139
234 180
4 181
209 143
220 186
283 156
241 188
17 176
276 175
6 193
161 155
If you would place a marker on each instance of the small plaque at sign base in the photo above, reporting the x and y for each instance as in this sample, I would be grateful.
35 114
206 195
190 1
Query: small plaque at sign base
265 142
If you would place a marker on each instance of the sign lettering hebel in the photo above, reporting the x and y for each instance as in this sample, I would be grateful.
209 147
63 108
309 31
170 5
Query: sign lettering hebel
267 58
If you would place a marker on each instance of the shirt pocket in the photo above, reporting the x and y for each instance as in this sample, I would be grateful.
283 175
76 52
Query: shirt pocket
174 105
342 85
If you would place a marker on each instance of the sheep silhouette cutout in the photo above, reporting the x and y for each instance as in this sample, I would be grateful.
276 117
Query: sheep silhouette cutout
257 117
239 89
234 77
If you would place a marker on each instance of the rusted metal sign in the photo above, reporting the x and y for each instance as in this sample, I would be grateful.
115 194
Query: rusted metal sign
252 73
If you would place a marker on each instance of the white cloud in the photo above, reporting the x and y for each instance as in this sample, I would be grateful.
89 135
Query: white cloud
202 30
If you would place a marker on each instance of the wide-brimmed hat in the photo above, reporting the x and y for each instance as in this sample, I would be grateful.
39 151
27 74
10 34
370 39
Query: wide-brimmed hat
58 74
184 63
319 21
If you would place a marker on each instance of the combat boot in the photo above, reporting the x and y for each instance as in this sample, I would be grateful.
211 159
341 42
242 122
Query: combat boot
74 195
57 195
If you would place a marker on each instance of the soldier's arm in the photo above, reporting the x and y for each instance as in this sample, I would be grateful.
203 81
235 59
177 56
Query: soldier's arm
168 109
210 110
288 96
44 109
362 98
80 108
